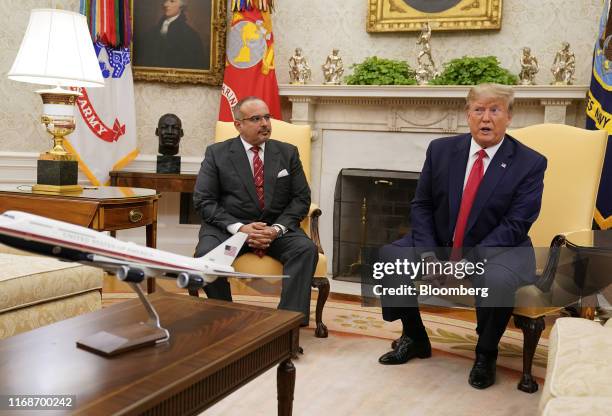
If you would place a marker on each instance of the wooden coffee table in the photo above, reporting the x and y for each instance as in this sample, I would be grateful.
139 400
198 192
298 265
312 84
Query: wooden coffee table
215 348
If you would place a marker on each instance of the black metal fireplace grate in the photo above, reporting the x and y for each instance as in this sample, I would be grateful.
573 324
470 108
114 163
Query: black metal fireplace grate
371 209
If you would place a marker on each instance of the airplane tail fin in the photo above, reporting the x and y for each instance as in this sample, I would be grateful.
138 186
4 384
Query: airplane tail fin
226 252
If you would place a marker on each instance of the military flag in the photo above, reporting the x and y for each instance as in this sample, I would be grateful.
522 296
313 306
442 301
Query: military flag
249 63
105 137
599 109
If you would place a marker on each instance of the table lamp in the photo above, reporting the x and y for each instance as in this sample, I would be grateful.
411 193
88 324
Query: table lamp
57 50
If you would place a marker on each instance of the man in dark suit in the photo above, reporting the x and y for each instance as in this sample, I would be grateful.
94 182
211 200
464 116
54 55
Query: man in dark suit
477 197
256 185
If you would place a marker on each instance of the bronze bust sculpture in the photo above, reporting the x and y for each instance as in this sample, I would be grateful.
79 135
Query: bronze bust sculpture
169 131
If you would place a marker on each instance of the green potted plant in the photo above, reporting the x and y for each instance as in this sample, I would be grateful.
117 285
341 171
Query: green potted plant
474 70
380 71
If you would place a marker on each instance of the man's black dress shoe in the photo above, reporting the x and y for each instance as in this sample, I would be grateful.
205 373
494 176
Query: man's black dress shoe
483 372
405 349
395 341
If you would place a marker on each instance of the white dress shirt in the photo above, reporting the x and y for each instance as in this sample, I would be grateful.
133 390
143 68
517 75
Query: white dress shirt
164 28
473 156
251 154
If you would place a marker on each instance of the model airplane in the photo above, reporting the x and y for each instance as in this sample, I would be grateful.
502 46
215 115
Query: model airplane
129 261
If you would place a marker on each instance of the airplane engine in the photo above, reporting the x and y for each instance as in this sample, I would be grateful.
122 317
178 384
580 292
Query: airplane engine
187 280
130 274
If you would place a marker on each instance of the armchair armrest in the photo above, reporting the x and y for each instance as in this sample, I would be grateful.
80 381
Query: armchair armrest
310 225
545 280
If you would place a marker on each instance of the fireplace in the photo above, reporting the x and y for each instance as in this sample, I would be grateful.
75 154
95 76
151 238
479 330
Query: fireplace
371 209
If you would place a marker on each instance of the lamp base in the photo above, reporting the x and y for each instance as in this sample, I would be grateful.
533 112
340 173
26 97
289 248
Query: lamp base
52 189
57 176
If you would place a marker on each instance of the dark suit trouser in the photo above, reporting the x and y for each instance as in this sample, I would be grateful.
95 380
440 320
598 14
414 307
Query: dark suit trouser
492 313
299 256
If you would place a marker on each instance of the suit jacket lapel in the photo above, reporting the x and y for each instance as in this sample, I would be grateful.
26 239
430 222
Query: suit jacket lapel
496 170
271 163
456 173
241 164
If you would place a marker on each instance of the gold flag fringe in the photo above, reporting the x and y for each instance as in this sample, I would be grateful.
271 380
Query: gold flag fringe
262 5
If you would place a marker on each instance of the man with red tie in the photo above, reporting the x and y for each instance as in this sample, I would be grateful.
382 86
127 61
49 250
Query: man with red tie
477 197
256 185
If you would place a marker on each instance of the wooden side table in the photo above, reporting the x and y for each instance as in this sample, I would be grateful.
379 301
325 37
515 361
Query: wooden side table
162 182
104 208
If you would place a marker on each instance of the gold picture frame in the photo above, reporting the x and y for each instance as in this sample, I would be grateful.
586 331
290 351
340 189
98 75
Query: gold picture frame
179 66
410 15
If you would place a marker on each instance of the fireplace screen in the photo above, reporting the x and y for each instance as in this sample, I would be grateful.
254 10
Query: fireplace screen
371 209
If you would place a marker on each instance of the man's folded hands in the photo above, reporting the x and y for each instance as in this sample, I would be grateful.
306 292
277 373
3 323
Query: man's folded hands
260 235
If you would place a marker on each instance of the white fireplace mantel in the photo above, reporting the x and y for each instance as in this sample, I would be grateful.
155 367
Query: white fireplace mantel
567 92
389 127
555 101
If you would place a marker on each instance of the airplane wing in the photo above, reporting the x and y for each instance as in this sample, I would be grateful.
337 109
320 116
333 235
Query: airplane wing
115 266
130 262
252 276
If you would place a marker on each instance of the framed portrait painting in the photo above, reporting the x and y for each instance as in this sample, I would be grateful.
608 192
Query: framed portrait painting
179 40
410 15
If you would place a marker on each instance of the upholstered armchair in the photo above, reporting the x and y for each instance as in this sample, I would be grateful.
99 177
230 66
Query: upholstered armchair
299 136
575 159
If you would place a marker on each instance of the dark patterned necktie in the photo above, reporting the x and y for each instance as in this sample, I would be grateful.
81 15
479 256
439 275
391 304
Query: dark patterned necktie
258 175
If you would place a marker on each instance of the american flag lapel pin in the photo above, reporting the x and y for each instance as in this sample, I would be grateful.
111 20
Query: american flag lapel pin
503 165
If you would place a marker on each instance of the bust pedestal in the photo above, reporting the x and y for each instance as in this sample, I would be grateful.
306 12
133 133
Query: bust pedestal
168 164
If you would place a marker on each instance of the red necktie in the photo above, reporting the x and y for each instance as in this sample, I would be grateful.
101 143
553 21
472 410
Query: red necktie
467 200
258 175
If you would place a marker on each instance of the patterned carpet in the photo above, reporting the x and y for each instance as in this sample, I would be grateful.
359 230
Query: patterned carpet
340 376
447 333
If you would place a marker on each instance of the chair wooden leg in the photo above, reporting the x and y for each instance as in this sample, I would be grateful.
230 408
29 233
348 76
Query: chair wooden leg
322 284
532 329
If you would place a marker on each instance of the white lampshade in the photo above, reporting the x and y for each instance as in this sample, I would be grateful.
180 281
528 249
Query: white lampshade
57 50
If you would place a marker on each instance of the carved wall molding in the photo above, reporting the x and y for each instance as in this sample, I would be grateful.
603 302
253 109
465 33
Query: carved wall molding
19 168
388 101
301 99
529 103
424 118
556 102
420 91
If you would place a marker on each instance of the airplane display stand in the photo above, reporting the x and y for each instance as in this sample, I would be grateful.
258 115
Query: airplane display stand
129 337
